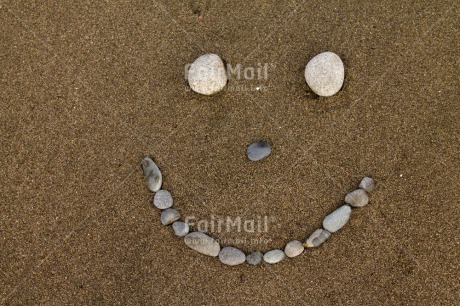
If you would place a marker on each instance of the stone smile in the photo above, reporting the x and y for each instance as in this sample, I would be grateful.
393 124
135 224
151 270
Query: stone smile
232 256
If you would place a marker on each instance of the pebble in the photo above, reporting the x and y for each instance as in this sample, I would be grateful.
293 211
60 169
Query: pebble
207 74
337 219
258 150
325 74
169 215
180 228
357 198
202 243
294 248
317 238
231 256
152 174
274 256
162 199
254 258
367 184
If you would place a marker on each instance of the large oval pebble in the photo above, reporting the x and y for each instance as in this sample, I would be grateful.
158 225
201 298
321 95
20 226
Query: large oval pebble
337 219
317 238
231 256
152 174
202 243
325 74
207 74
357 198
294 248
258 150
274 256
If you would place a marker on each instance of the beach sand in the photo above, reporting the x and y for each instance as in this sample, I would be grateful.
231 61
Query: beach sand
89 89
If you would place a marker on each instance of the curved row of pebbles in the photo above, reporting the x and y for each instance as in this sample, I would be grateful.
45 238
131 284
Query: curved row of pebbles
232 256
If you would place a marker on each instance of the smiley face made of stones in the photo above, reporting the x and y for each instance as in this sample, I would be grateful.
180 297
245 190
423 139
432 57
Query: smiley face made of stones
207 75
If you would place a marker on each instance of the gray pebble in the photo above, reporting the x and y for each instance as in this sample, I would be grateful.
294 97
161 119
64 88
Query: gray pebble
231 256
317 238
202 243
207 74
180 228
294 248
254 258
367 184
337 219
169 215
357 198
258 150
152 174
162 199
274 256
325 74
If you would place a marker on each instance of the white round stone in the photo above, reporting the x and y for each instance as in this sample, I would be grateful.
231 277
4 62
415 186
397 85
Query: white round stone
162 199
337 219
274 256
367 184
207 74
258 150
202 243
325 74
357 198
152 174
169 215
180 228
231 256
294 248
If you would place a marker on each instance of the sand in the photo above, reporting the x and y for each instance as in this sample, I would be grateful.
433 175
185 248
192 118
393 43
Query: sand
89 89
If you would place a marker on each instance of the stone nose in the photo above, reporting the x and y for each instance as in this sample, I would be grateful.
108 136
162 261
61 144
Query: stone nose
258 150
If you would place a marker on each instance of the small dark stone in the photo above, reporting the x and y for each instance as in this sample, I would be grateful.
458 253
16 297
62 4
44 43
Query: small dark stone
258 150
